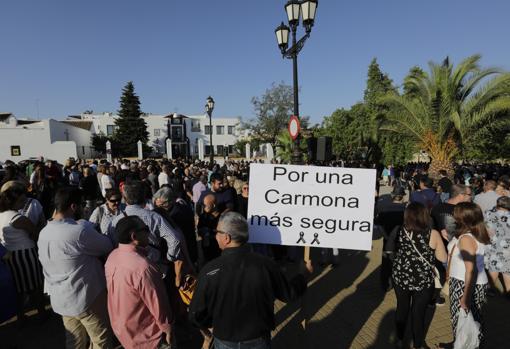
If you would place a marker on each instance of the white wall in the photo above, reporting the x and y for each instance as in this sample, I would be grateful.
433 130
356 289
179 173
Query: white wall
159 122
60 131
34 141
224 139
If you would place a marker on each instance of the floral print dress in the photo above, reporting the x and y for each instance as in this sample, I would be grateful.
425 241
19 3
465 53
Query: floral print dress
411 272
497 254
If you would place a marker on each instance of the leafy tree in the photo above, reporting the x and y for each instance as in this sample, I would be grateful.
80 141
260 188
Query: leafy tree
240 146
490 143
396 150
378 85
356 131
131 127
273 110
98 142
346 128
415 74
451 107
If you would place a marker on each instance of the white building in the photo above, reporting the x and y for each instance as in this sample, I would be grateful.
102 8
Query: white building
185 131
22 139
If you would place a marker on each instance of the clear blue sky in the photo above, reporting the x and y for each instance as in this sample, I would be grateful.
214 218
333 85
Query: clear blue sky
68 56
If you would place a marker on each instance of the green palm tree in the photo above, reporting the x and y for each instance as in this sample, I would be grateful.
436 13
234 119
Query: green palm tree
284 146
448 107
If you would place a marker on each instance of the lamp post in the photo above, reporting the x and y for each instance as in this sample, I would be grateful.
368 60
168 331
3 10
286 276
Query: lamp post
295 9
209 107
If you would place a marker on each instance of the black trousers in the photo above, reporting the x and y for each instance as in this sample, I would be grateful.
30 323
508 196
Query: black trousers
415 302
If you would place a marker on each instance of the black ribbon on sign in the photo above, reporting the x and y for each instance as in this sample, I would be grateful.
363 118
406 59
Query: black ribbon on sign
315 239
301 238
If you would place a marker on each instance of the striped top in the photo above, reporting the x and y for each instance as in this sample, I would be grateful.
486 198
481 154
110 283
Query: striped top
159 228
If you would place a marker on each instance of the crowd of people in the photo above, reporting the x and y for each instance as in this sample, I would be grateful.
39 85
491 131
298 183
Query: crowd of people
449 239
116 245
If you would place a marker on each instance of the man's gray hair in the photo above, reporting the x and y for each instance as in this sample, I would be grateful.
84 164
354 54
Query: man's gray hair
164 194
458 189
235 225
134 193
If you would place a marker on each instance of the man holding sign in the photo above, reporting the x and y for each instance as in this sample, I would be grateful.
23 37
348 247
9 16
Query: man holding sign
314 206
235 293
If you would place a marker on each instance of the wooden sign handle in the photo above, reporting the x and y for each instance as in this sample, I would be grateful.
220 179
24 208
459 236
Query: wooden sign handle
307 253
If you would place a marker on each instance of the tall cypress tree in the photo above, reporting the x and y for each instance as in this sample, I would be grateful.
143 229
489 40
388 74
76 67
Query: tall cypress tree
131 127
382 147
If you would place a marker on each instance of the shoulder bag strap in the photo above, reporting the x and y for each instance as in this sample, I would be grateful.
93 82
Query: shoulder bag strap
450 261
101 213
419 253
15 217
27 205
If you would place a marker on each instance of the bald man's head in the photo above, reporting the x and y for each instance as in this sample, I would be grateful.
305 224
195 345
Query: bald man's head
209 202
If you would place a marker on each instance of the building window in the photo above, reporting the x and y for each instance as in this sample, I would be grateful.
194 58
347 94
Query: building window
177 134
157 132
220 130
83 150
219 149
15 150
176 121
207 130
231 149
110 130
231 130
195 149
207 149
195 126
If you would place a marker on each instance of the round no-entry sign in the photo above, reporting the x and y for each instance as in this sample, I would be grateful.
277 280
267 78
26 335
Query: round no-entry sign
294 127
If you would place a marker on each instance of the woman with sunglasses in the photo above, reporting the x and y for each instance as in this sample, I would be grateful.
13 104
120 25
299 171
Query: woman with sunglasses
103 215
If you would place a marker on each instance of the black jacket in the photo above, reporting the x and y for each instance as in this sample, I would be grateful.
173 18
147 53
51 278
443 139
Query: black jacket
236 292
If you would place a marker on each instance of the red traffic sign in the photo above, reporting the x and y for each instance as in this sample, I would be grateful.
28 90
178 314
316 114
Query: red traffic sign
294 127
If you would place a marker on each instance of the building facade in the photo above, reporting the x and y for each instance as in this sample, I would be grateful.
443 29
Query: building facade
185 131
22 139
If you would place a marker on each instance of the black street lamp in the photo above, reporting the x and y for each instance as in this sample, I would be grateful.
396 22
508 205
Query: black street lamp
295 9
209 107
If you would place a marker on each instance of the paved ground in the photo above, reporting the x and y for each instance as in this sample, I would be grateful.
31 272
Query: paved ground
344 306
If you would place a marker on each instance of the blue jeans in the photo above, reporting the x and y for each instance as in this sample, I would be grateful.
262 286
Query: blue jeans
258 343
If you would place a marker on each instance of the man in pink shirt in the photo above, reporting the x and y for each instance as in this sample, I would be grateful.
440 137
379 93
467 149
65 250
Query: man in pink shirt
137 300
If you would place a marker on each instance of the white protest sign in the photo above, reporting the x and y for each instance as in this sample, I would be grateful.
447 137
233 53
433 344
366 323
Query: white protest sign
311 206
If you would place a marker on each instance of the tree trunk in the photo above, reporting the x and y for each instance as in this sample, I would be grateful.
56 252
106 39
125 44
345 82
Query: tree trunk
438 165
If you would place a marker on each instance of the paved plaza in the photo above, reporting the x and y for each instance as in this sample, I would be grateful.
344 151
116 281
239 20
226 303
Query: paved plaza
344 307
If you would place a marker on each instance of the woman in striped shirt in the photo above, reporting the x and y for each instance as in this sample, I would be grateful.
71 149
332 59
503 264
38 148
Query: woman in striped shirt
18 236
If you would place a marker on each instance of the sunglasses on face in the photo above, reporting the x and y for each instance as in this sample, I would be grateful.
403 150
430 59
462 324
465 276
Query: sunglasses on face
114 201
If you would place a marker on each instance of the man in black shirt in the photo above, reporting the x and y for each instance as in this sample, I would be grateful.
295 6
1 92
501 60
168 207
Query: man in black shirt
235 293
444 185
224 198
389 213
442 214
